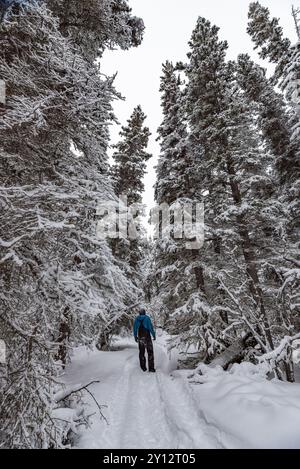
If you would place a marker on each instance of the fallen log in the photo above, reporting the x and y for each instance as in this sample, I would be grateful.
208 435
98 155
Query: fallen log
232 354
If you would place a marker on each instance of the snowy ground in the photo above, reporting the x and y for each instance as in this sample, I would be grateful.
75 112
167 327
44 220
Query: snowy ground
163 410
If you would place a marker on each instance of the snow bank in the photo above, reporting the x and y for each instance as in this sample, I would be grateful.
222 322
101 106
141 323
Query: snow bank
250 411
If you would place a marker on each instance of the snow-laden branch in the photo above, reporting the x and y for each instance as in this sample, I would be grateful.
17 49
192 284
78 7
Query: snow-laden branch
280 352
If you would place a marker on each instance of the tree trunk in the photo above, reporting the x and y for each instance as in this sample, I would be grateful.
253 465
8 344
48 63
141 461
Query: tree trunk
289 366
232 354
199 278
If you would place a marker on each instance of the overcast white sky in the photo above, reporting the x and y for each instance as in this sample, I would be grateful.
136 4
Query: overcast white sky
169 25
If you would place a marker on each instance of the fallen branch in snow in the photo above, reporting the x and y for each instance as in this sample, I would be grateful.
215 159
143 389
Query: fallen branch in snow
60 396
99 407
67 393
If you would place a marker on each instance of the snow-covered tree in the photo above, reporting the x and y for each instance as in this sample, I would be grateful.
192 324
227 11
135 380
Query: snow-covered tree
232 112
175 171
177 274
98 24
296 17
268 37
130 158
127 175
273 115
60 283
237 186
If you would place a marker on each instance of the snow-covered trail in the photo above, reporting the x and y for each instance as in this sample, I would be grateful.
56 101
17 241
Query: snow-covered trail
144 410
234 409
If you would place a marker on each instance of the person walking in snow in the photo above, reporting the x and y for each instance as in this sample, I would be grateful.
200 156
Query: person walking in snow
142 331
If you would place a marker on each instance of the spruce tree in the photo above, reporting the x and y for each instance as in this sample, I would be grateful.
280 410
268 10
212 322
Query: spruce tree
177 274
127 175
130 158
236 182
175 171
96 25
268 37
273 114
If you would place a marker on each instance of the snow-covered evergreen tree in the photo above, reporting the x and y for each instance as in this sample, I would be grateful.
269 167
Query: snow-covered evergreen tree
276 126
268 37
130 158
238 259
127 175
245 218
177 275
97 25
274 118
176 177
60 283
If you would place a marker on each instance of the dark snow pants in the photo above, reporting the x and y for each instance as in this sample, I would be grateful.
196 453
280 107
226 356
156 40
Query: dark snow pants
145 343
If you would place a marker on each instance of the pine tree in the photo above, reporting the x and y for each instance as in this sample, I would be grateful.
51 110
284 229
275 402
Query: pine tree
58 279
127 174
177 274
239 204
175 172
131 157
267 35
96 25
274 118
